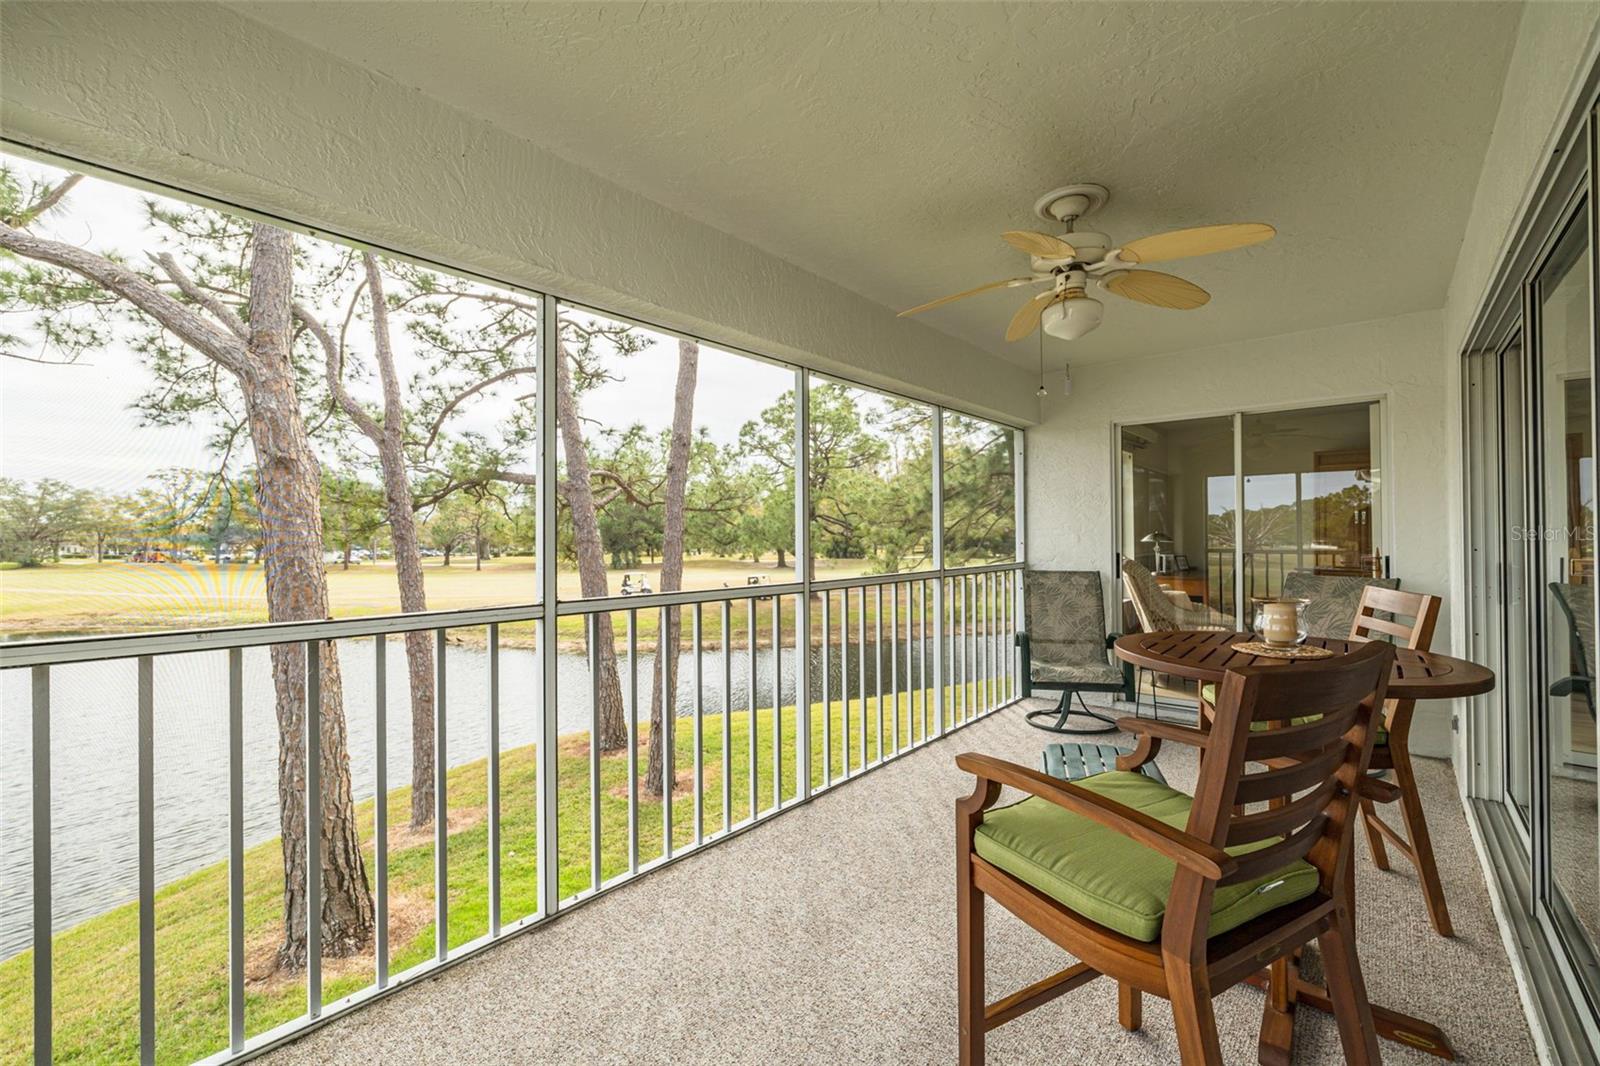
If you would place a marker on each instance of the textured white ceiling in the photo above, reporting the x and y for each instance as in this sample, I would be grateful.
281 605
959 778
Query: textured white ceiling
885 147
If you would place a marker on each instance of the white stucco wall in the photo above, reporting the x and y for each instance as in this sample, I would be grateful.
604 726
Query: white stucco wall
1072 492
197 97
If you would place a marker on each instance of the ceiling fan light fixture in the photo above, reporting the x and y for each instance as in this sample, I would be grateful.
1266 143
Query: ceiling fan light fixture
1072 318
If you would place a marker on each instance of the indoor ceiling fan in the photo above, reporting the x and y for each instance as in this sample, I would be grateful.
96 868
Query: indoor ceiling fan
1071 262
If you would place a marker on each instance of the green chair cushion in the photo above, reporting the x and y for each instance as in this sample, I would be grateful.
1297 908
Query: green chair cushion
1112 880
1209 694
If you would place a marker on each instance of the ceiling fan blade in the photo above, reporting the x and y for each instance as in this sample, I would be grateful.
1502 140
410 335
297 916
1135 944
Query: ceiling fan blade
1008 283
1201 240
1040 244
1158 289
1026 320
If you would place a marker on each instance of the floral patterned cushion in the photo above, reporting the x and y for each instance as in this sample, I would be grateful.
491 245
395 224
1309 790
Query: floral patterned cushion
1334 600
1066 620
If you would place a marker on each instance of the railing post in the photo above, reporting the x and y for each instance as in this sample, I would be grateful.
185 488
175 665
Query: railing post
699 732
592 633
42 935
494 779
894 665
802 614
380 807
313 800
548 803
844 680
727 715
667 620
827 685
939 663
147 860
441 806
877 665
750 641
236 848
633 741
777 703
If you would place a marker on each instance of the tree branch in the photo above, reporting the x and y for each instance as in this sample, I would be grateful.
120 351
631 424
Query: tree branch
45 202
466 394
210 340
335 374
194 292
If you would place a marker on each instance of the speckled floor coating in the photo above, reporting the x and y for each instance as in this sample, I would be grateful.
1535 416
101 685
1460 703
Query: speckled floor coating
828 936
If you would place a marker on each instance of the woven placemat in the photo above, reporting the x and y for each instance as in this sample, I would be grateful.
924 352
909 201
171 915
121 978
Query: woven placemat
1273 651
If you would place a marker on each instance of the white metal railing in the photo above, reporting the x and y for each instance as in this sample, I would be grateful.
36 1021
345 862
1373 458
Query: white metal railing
861 670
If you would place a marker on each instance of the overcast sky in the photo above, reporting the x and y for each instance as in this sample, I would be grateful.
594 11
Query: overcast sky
76 423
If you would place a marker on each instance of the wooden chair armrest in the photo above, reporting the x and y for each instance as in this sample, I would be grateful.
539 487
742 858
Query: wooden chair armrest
1183 848
1180 734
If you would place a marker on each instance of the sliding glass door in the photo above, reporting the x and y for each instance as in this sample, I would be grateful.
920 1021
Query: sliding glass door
1178 504
1530 447
1307 483
1568 835
1311 499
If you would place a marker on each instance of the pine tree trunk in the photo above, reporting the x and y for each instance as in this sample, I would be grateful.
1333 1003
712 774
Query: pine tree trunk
591 558
664 718
400 509
297 590
419 645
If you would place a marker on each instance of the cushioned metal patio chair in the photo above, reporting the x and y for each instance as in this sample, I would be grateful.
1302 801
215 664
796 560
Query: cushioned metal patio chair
1332 599
1576 603
1179 896
1065 648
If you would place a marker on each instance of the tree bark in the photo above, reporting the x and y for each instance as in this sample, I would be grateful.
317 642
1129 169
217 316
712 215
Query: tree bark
297 590
663 718
259 355
579 491
399 508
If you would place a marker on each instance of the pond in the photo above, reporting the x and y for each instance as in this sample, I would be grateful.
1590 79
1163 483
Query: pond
94 842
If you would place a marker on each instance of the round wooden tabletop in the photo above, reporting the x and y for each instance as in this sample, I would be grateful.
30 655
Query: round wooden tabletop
1203 655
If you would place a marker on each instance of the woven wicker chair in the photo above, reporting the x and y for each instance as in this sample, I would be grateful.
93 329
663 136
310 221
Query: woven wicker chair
1160 608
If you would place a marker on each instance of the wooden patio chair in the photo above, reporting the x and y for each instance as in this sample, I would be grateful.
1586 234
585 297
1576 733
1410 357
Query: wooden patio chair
1409 619
1102 868
1406 618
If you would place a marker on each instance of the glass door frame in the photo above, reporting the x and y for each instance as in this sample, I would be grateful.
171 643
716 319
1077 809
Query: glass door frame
1377 444
1559 926
1562 966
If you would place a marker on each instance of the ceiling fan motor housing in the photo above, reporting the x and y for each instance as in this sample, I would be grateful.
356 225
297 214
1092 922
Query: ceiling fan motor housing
1091 248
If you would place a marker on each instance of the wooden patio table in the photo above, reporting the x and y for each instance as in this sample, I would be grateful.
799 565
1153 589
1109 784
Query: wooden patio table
1203 655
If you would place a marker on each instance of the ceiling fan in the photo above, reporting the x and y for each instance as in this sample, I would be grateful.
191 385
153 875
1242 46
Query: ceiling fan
1071 262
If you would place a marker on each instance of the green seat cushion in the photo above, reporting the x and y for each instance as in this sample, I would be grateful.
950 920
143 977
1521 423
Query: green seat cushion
1112 880
1209 694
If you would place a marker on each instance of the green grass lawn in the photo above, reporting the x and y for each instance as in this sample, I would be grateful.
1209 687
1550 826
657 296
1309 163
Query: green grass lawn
86 597
96 962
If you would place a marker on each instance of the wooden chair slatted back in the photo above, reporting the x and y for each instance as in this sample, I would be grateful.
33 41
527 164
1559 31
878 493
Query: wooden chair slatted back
1330 756
1422 609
